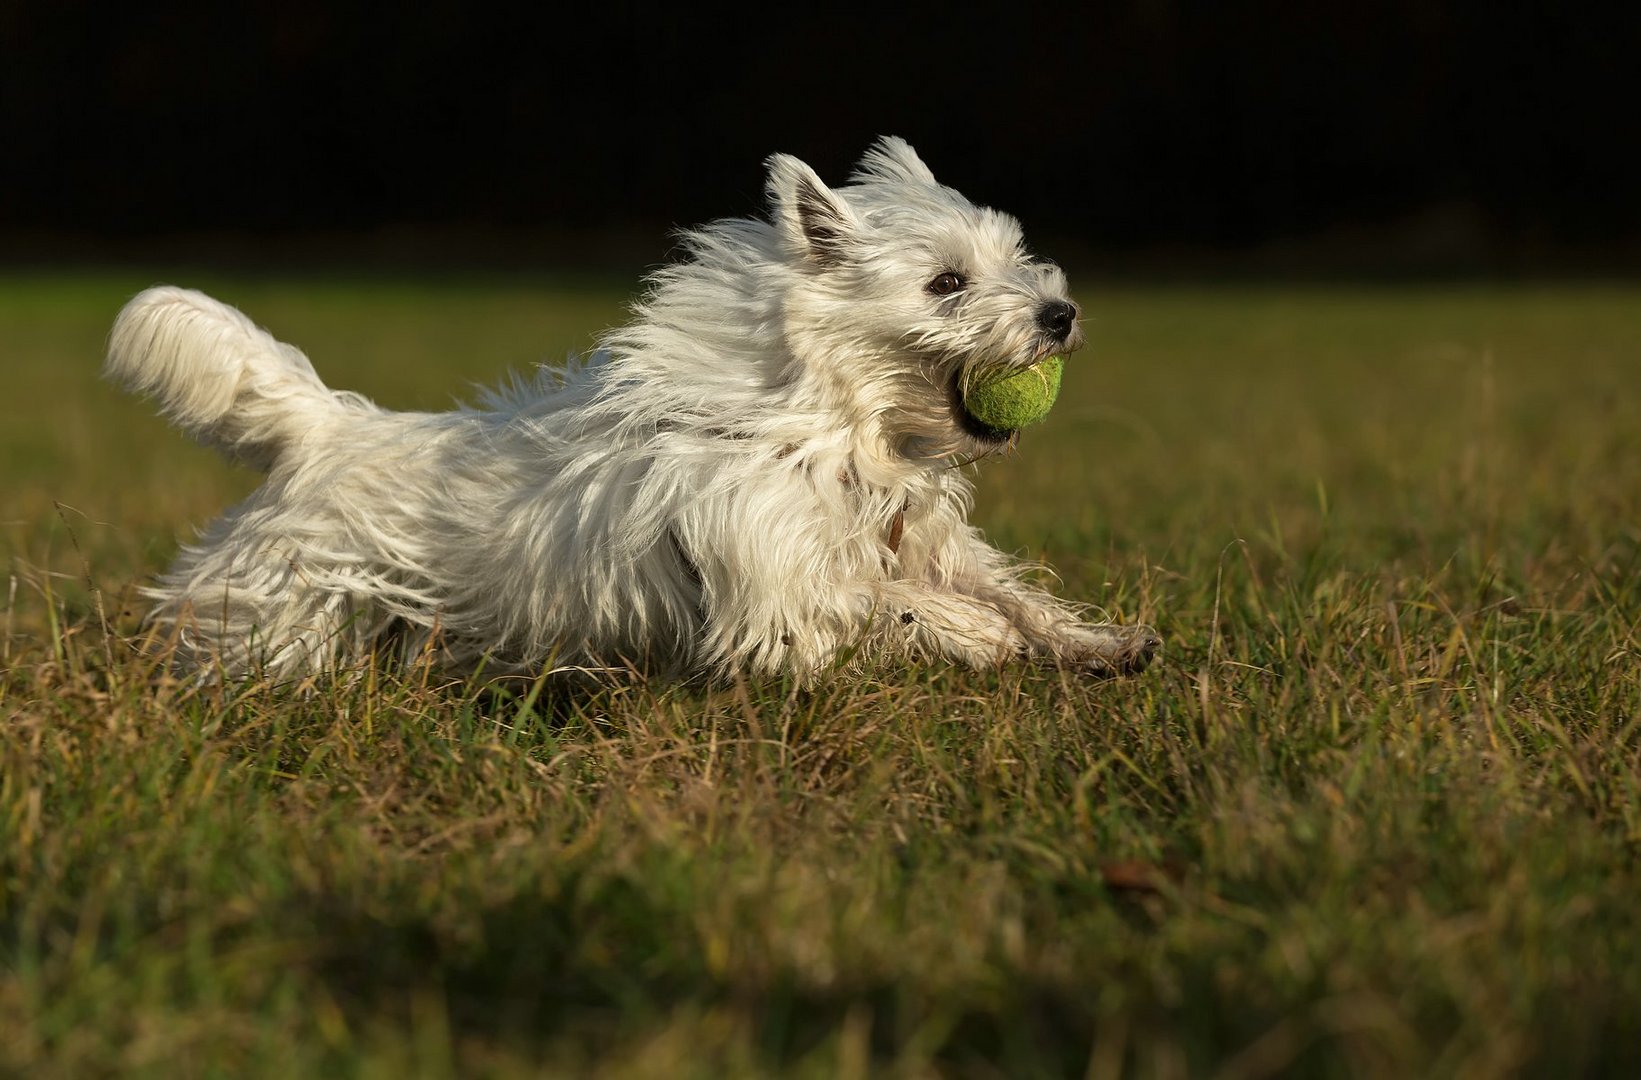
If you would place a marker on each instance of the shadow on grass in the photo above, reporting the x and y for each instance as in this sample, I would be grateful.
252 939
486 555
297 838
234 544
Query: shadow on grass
604 963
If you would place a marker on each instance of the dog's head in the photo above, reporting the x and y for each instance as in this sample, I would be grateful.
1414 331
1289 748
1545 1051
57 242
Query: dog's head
904 293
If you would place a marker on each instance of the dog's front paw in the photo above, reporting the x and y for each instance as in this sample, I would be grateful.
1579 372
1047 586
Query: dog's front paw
1110 650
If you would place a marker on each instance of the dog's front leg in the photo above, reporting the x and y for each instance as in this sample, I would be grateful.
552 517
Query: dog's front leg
1050 626
927 621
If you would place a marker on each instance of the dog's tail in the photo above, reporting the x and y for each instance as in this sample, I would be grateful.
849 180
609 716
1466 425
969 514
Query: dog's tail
217 375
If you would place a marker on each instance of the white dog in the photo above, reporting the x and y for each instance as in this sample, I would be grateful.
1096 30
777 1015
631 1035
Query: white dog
757 474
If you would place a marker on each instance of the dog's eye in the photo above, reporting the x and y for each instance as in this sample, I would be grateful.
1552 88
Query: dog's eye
945 284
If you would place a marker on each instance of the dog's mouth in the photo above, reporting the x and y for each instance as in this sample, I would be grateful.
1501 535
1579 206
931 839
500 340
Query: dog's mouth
926 430
971 425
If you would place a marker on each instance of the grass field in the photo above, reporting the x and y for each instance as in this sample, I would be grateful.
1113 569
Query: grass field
1377 811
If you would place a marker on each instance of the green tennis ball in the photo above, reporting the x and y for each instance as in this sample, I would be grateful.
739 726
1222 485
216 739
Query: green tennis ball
1008 402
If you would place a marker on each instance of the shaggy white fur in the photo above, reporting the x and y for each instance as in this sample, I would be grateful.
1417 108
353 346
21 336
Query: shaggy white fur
756 474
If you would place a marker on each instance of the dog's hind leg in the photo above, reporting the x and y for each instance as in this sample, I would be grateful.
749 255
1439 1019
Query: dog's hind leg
234 607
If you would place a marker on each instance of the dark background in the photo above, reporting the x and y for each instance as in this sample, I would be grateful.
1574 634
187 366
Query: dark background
1400 137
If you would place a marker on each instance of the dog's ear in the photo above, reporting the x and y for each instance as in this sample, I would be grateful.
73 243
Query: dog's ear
813 220
892 158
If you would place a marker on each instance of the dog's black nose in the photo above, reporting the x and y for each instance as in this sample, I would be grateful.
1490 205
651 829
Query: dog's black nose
1057 317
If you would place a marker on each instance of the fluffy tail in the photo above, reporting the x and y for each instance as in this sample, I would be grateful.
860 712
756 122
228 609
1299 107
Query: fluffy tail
217 375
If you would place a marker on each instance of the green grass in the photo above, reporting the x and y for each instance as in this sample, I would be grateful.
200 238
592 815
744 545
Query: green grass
1377 812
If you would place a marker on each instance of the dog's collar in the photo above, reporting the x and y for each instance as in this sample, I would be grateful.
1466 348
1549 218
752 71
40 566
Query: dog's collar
849 477
897 527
